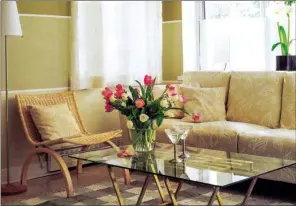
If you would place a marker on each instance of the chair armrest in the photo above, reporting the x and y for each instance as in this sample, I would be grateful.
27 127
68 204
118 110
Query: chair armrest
50 142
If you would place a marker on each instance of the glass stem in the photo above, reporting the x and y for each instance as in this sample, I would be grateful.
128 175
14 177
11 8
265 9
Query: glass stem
183 148
175 153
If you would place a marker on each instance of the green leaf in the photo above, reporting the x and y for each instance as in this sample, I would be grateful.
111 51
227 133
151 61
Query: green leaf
283 35
275 45
134 93
291 41
142 89
159 120
148 93
290 2
284 48
284 41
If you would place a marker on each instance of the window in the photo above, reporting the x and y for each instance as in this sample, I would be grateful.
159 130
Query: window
231 35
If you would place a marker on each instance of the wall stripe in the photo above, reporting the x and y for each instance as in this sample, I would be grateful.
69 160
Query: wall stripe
174 21
37 90
46 16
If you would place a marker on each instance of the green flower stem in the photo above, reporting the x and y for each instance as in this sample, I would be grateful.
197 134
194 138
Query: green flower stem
278 26
288 40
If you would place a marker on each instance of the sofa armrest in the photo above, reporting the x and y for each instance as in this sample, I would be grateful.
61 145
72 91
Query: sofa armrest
125 132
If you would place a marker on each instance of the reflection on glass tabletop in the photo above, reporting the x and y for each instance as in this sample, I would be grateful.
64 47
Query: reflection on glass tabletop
212 167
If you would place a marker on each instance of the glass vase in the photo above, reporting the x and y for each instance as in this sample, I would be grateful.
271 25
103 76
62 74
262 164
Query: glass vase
142 139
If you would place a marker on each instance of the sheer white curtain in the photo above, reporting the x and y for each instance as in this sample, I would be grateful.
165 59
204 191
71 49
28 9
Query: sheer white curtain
115 42
237 33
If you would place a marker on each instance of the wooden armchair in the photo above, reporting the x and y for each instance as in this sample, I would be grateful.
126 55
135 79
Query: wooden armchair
33 136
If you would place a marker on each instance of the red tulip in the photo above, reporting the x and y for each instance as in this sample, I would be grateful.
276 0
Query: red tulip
171 88
140 103
148 80
137 90
119 91
196 116
108 107
107 93
119 87
118 94
182 98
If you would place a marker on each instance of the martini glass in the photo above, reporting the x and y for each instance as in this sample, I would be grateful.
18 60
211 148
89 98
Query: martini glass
175 137
185 130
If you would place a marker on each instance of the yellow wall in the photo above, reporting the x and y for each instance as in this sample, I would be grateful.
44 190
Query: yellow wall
171 10
39 59
57 7
172 61
172 64
42 50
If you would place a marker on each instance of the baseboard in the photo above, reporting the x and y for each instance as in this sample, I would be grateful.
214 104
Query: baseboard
35 171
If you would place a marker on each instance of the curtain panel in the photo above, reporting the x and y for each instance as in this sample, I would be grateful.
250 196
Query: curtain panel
115 42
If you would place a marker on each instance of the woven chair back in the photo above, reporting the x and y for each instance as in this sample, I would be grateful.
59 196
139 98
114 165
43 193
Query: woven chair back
23 101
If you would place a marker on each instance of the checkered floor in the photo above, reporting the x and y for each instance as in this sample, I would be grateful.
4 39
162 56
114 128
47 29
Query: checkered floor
103 194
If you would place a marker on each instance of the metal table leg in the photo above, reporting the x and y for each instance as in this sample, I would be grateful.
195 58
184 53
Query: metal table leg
160 191
250 189
214 195
115 186
170 191
144 187
178 189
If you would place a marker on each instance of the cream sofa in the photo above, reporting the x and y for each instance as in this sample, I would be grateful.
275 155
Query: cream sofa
261 114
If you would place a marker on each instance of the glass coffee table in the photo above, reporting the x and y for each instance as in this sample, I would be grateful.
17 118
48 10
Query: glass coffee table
210 167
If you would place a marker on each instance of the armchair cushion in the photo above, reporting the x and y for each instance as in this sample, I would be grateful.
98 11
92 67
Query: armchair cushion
54 122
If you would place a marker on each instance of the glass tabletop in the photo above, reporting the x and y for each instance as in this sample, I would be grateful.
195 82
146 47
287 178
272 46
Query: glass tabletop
212 167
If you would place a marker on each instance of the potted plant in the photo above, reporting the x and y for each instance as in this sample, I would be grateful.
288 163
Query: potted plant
144 113
286 61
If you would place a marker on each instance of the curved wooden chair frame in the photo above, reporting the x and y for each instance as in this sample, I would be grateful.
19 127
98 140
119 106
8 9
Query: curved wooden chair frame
60 161
33 136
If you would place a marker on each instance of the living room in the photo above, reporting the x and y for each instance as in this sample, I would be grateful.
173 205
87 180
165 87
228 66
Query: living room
196 97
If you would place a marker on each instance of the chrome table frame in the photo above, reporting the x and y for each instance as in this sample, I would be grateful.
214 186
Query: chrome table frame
173 195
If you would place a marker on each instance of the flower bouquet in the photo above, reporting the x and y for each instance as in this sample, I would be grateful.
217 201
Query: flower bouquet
144 113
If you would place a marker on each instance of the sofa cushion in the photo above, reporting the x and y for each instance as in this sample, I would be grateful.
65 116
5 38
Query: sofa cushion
279 143
255 97
288 115
208 79
219 135
209 102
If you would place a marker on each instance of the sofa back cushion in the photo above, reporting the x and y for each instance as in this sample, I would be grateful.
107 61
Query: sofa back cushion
208 79
255 97
288 114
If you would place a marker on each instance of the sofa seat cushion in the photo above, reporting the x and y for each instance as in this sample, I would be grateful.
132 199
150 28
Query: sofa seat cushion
218 135
279 143
255 97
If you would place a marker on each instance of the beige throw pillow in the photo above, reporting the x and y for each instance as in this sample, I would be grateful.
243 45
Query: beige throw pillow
208 102
54 122
177 114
